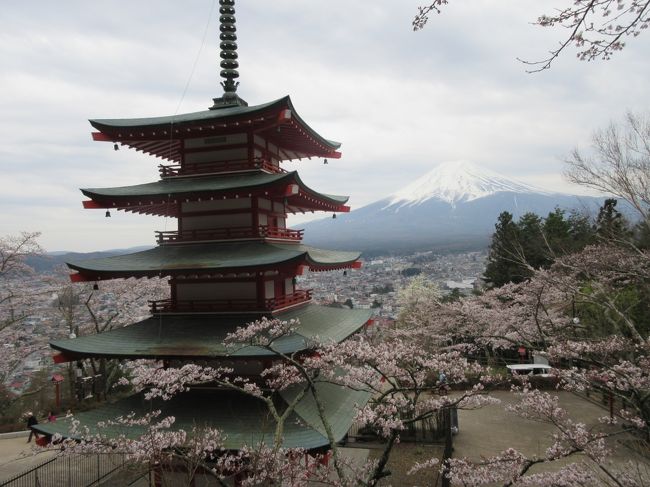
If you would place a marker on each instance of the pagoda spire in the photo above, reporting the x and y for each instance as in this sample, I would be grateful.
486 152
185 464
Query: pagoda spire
228 56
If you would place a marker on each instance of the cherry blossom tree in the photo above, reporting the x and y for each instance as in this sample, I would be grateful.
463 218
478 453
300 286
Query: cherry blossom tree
20 290
403 381
71 309
90 308
554 312
597 28
406 385
587 314
15 294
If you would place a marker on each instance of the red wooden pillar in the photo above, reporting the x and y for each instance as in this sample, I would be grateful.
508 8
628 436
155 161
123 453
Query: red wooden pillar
57 379
259 284
255 208
250 147
157 476
325 459
57 389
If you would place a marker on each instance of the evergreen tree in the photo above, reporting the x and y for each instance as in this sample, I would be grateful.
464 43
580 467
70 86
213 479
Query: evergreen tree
557 233
534 249
502 266
533 242
611 224
581 231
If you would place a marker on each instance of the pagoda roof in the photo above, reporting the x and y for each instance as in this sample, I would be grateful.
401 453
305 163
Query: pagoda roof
203 260
159 197
243 419
201 336
161 136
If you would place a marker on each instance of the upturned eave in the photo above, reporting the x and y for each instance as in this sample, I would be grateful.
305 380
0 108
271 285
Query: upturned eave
162 197
162 137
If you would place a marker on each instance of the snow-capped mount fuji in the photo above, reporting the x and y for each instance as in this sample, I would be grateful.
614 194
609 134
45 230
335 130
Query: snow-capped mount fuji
456 182
452 207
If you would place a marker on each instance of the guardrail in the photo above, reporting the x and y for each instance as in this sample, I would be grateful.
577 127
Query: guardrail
223 305
196 168
264 231
69 471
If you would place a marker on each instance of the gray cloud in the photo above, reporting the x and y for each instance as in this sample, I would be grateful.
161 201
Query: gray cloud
401 102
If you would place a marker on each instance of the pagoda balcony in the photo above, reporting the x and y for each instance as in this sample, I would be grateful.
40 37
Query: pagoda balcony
229 305
263 231
198 168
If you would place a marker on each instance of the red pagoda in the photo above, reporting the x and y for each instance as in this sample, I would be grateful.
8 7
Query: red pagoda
230 261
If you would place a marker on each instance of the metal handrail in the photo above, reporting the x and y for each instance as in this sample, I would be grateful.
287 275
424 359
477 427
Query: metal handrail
193 168
70 469
263 231
221 305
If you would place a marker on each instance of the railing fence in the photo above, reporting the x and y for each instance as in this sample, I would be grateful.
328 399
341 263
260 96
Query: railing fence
69 471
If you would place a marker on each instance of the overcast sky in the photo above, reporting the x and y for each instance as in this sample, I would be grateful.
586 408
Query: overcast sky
400 102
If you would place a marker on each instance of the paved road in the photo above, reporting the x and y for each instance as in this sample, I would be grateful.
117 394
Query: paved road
490 430
17 456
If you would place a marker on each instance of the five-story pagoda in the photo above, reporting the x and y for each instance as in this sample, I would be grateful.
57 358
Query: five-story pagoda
231 260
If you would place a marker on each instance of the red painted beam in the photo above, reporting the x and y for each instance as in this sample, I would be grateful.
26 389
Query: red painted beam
284 116
93 205
334 267
291 190
78 277
334 155
357 264
100 137
61 358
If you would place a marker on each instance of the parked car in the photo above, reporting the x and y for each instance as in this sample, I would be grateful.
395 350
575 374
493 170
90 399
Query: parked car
540 370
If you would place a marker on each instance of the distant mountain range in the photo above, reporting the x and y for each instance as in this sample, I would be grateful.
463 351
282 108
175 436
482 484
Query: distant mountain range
454 207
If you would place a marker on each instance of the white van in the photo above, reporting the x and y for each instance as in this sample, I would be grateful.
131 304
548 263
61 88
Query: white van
540 370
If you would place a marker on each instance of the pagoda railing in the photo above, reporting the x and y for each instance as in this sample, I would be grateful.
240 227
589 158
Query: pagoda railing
263 231
194 168
283 233
300 296
226 305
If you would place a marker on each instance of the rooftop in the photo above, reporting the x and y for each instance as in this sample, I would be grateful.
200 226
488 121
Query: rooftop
242 418
162 136
201 336
211 259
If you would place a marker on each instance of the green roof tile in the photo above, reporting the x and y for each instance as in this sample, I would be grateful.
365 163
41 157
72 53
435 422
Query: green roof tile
211 257
201 336
202 116
243 419
339 402
205 184
218 116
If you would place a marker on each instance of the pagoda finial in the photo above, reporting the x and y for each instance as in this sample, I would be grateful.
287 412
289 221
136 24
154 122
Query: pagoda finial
229 56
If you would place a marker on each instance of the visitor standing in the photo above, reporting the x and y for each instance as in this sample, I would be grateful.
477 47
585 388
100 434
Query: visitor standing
31 422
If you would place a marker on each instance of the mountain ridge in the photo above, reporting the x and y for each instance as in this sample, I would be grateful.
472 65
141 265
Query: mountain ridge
453 206
458 181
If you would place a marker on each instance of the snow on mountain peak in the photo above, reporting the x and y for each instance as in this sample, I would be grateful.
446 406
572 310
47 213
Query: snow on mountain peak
457 181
